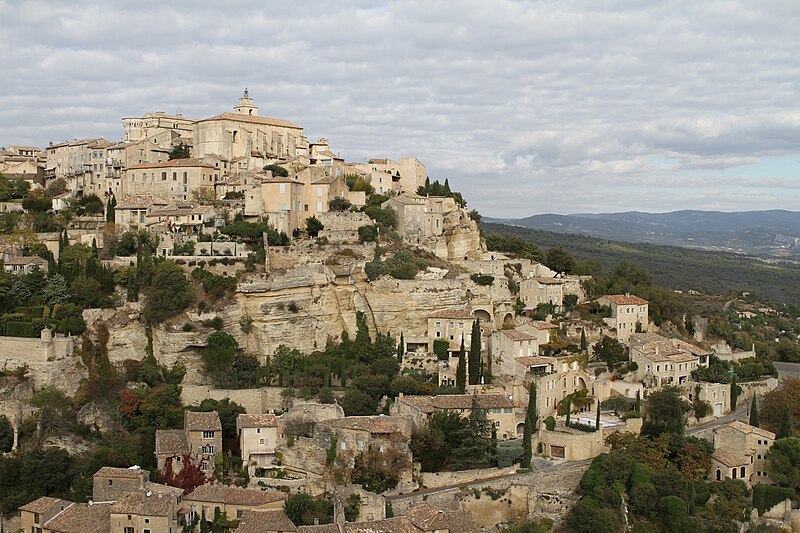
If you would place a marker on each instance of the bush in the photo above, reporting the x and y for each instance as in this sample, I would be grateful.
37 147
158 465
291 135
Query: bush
508 453
339 204
482 279
188 326
277 170
313 226
368 233
440 347
766 497
217 323
550 423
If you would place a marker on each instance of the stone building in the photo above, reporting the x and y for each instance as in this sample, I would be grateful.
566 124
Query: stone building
148 512
131 213
81 518
245 134
181 217
535 291
232 501
110 483
405 175
174 180
662 361
499 409
158 127
70 158
34 515
200 441
258 436
451 325
510 351
272 521
627 314
740 452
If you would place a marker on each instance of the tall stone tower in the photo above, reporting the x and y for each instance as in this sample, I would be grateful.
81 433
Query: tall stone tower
246 105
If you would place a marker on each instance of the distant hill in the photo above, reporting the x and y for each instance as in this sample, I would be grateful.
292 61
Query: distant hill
676 268
764 233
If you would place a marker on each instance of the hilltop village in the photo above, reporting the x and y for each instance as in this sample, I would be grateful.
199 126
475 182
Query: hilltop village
218 325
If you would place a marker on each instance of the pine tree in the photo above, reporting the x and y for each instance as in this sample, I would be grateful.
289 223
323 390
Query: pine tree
461 370
584 346
531 418
754 418
475 354
785 428
56 291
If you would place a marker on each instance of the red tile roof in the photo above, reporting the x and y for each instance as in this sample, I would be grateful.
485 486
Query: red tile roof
625 299
234 495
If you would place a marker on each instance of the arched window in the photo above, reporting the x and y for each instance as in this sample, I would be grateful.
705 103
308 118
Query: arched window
719 475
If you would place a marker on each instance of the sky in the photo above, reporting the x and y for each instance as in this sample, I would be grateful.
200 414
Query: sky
526 107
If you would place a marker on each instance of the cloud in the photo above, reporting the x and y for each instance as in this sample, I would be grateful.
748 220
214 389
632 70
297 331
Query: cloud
525 106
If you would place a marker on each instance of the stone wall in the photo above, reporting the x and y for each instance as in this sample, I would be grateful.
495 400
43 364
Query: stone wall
342 227
50 360
430 480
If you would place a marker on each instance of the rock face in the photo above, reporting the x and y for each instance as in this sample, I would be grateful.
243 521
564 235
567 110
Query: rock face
97 415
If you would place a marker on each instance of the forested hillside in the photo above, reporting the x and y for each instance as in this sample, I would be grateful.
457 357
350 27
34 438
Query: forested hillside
673 267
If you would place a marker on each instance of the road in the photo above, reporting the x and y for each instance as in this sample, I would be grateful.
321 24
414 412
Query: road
544 465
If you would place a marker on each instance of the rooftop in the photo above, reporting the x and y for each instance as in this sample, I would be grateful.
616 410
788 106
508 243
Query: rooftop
625 299
44 504
253 521
399 524
747 428
81 518
517 335
429 404
201 421
122 473
188 162
171 442
266 121
256 421
140 503
234 495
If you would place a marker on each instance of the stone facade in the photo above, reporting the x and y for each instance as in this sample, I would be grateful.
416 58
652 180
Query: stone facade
627 313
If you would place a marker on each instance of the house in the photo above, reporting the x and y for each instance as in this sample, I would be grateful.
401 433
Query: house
81 518
258 436
70 158
200 441
506 346
273 521
451 325
110 483
554 381
24 264
499 409
146 512
173 180
35 514
628 314
232 501
158 127
662 361
541 290
430 519
182 217
131 212
405 175
740 452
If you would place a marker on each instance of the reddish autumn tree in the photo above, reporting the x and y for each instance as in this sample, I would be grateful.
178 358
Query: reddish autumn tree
129 403
189 478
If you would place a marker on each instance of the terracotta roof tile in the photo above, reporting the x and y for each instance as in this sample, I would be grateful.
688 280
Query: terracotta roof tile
517 335
122 473
234 495
550 281
201 421
400 524
266 121
261 521
140 503
256 421
82 518
625 299
171 442
458 401
44 504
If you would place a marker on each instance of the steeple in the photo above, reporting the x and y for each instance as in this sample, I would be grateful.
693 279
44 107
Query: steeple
246 105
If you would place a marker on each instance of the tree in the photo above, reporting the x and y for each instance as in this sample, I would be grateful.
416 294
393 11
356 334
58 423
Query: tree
609 350
597 421
665 412
401 348
735 390
531 416
584 346
227 410
475 353
560 260
218 356
754 419
170 293
461 370
339 204
785 429
179 151
783 462
6 435
358 403
111 209
277 170
56 290
313 226
773 405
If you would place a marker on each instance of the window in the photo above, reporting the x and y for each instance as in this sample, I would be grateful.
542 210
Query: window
174 176
282 188
163 176
204 466
319 191
128 529
110 482
208 434
261 441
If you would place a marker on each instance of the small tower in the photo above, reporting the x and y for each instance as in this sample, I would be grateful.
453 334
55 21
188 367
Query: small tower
246 106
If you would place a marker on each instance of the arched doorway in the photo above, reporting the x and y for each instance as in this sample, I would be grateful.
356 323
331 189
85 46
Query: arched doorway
520 429
483 316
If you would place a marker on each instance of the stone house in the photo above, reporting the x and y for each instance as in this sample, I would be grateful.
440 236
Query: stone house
740 452
499 409
24 264
717 395
81 518
554 381
419 217
131 213
320 155
535 291
159 127
451 325
506 346
121 156
258 436
173 180
34 515
146 512
576 445
544 332
664 361
627 312
110 483
233 501
182 217
70 158
273 521
200 441
404 175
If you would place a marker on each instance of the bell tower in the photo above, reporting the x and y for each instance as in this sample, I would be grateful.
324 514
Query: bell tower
246 105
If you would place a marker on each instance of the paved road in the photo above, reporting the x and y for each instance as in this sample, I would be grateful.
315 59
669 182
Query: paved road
739 414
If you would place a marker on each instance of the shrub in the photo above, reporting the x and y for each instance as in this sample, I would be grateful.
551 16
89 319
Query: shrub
339 204
550 423
766 497
188 326
368 233
440 347
217 323
482 279
277 170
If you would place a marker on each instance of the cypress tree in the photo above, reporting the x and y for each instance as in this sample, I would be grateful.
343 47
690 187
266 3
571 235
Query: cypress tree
531 417
754 418
461 370
447 186
401 348
475 354
597 421
584 347
268 372
94 248
638 404
568 407
785 429
203 523
734 393
493 450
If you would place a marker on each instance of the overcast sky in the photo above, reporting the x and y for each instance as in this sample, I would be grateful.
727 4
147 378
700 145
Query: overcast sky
527 107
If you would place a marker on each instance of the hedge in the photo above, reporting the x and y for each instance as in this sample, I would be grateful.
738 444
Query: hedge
765 497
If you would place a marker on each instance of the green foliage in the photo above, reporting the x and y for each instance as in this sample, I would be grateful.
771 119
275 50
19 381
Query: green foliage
482 279
12 189
440 189
368 233
783 462
440 348
219 355
509 453
358 183
461 369
179 151
37 202
215 286
610 351
665 412
755 420
6 435
452 442
618 404
302 509
559 260
531 418
277 170
26 476
169 295
516 246
313 226
475 362
339 204
765 497
358 403
383 216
